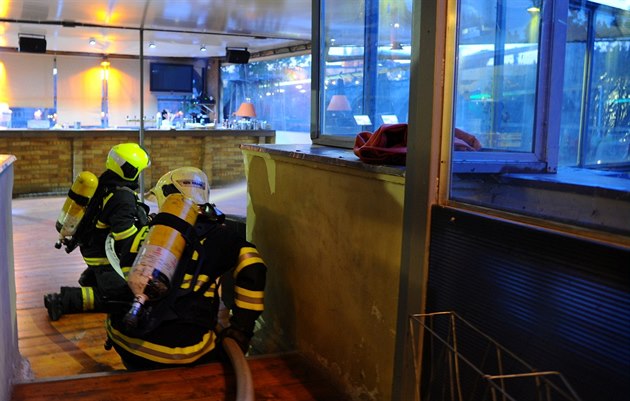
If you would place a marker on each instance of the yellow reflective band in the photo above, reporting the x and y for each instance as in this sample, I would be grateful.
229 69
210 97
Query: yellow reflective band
201 280
100 224
87 294
125 234
247 299
247 249
186 281
210 291
107 198
247 256
126 271
135 246
249 306
161 353
96 261
195 254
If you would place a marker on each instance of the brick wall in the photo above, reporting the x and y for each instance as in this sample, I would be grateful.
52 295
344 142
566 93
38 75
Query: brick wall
48 161
42 166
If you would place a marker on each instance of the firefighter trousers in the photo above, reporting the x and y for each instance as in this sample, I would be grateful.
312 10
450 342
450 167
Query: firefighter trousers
108 288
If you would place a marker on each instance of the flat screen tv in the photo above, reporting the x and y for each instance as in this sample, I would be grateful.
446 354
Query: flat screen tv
167 77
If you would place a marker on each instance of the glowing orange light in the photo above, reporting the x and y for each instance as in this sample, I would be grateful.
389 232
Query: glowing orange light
105 69
4 95
4 8
107 16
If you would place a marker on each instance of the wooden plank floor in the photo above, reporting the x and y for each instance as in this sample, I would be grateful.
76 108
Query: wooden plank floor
280 377
74 344
67 358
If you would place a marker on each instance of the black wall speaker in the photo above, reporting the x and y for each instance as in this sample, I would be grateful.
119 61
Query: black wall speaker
237 56
32 45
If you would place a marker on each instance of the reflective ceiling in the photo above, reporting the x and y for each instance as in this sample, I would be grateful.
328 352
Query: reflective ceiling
177 28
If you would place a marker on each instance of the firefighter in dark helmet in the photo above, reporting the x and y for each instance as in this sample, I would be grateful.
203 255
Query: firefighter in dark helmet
119 213
181 327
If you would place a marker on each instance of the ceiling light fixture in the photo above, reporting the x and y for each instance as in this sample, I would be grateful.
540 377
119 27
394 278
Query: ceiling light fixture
203 48
152 45
92 41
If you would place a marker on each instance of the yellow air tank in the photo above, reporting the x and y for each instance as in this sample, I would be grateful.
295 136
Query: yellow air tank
76 203
151 273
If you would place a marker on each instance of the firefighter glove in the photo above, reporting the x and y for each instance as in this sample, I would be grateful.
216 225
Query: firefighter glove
241 338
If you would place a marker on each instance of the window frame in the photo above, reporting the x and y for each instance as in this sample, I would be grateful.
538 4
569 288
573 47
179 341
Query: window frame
566 186
318 69
550 70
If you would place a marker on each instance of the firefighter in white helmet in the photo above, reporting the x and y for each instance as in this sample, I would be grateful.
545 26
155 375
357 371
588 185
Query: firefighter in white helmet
119 212
189 181
182 325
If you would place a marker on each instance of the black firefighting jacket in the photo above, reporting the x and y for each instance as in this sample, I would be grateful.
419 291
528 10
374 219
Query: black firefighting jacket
121 213
181 325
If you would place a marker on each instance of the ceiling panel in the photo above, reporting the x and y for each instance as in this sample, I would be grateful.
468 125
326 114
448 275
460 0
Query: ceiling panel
178 28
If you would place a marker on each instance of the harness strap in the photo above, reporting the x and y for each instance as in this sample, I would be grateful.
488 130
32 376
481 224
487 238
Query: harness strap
79 199
182 226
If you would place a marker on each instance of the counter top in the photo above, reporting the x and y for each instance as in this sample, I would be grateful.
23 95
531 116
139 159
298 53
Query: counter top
6 161
325 154
16 132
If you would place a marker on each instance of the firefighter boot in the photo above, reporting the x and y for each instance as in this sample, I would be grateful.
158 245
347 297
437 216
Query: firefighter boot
53 305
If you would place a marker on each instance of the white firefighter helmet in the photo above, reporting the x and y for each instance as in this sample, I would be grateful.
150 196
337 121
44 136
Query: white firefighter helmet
189 181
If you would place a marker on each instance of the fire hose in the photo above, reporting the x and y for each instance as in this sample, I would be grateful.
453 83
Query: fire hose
244 382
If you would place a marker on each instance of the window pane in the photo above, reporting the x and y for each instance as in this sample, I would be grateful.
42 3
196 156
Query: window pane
574 72
279 90
365 65
343 66
394 56
608 131
497 60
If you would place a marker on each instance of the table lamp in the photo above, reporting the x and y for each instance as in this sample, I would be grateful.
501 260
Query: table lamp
247 110
339 103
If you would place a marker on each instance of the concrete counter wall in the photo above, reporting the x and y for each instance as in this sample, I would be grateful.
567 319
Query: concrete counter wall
49 160
329 228
11 360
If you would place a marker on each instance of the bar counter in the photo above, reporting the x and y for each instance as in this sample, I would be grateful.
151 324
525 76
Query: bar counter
49 160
